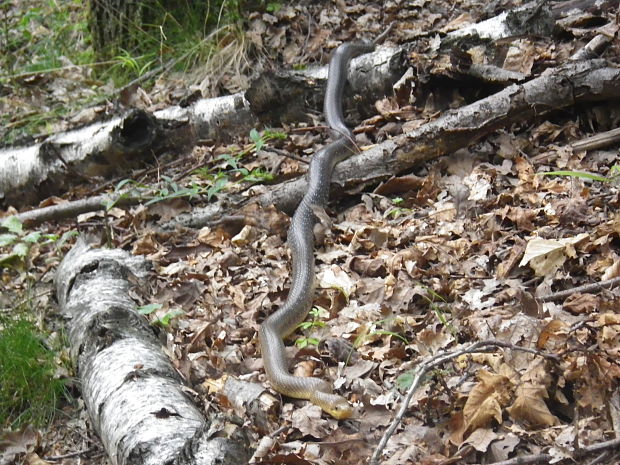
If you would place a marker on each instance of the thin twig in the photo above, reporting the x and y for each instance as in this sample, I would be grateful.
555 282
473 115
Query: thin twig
546 458
80 453
603 285
526 459
284 153
600 458
432 362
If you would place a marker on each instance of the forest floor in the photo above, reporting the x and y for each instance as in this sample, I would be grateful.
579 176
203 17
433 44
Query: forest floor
474 246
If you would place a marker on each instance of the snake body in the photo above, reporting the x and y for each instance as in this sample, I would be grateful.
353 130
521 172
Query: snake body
301 243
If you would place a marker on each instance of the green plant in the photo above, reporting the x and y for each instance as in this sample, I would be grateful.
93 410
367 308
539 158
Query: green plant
231 163
131 66
316 322
438 308
29 391
39 38
397 211
19 241
171 190
614 174
163 321
378 332
405 380
230 168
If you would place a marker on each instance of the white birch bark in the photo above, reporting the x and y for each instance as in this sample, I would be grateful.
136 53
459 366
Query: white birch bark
134 396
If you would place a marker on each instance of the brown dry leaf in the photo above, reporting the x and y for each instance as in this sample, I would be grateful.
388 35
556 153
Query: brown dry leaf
15 443
553 336
486 400
545 256
520 56
335 277
594 376
501 449
522 217
429 341
608 337
481 438
170 209
582 303
613 271
529 405
146 245
308 420
34 459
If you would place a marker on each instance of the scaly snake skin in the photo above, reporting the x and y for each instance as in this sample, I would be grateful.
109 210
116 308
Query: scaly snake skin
301 242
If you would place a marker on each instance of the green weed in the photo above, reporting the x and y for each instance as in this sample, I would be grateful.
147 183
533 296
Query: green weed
614 174
397 210
18 242
29 391
163 321
316 315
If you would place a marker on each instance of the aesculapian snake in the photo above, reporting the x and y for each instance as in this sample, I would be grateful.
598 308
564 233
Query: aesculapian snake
301 242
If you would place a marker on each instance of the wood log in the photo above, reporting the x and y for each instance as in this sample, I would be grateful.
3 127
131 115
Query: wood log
578 82
134 396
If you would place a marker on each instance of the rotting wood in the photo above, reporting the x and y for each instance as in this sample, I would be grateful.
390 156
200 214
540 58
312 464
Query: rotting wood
30 173
133 394
286 96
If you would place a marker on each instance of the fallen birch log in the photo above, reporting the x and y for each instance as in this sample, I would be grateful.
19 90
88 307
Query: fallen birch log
29 174
578 82
133 394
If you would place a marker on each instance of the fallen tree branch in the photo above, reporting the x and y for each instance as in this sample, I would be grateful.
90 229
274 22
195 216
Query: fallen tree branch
133 394
592 287
73 208
603 139
432 362
31 173
556 88
546 458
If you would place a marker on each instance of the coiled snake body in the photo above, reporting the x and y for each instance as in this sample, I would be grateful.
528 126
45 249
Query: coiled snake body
301 242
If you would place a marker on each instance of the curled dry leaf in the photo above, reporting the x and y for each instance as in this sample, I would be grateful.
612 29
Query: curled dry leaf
545 256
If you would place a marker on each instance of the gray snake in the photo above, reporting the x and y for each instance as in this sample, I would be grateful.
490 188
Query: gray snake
301 242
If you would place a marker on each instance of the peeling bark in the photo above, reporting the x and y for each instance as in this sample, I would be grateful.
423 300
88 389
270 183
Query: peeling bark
28 174
133 394
286 96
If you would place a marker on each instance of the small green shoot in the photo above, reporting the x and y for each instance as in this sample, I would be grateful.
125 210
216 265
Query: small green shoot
149 308
304 342
363 337
273 7
163 321
20 241
397 211
438 308
231 164
384 332
172 190
316 314
405 380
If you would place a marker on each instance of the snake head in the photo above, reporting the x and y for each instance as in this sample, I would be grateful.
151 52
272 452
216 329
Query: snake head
341 410
337 406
